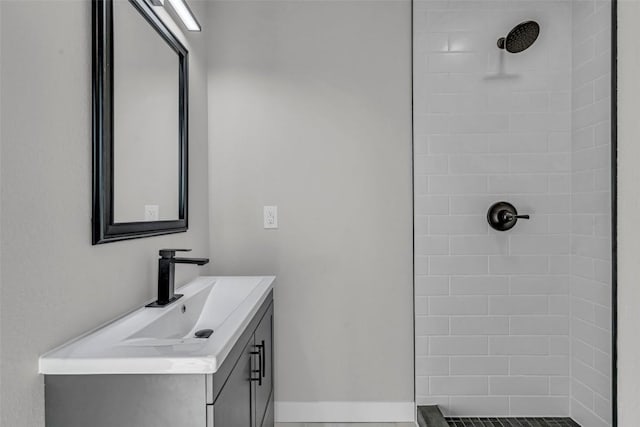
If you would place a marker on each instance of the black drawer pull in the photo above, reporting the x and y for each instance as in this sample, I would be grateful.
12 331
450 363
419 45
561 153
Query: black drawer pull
263 359
259 370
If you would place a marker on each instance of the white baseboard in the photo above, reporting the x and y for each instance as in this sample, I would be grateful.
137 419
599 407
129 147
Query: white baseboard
345 412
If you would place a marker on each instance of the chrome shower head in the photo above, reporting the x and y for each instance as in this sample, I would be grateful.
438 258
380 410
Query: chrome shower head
520 38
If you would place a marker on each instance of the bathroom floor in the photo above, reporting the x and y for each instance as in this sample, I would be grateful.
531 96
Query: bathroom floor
512 422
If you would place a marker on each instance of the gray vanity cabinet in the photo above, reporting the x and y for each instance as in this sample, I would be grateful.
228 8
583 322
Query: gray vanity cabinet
239 394
247 392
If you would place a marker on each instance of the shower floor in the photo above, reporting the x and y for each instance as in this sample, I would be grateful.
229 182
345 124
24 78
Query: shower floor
512 422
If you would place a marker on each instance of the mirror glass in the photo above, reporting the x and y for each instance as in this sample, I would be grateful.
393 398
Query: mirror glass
146 137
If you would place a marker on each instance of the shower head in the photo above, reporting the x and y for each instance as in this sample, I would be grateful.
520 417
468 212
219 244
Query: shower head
520 38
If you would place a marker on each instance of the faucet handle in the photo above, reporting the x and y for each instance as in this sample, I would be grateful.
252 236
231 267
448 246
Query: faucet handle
170 253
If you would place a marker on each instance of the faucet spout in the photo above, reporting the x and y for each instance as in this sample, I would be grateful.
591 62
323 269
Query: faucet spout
197 261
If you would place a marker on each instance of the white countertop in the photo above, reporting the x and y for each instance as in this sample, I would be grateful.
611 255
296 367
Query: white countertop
160 340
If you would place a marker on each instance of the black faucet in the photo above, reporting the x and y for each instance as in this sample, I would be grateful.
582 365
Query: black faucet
166 275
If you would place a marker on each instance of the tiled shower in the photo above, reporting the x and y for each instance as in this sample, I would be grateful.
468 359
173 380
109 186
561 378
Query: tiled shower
518 322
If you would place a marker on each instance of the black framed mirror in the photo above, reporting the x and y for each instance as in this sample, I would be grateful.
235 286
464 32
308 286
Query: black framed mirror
140 124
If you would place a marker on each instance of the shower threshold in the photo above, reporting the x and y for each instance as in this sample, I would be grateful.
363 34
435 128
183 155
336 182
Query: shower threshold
512 422
430 416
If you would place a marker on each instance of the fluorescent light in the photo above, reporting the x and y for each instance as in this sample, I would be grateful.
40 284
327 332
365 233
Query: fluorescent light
183 11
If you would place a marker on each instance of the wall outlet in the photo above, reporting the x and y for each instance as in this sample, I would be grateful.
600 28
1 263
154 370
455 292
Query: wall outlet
151 212
270 217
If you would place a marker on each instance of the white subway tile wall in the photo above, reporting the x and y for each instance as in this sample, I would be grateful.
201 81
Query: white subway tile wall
498 314
590 287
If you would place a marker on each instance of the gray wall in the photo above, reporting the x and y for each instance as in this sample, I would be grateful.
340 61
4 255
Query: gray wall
628 203
0 212
310 110
55 285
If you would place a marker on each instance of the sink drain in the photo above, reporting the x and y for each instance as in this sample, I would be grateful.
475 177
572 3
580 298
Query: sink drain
204 333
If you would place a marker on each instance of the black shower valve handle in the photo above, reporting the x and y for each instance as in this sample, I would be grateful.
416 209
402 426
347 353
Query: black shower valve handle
503 216
508 216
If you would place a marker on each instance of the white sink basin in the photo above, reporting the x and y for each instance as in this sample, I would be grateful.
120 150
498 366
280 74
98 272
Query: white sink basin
162 340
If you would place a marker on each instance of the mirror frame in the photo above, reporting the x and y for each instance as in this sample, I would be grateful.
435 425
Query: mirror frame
104 227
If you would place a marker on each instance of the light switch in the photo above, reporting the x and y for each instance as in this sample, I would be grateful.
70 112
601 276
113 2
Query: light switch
270 217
